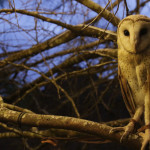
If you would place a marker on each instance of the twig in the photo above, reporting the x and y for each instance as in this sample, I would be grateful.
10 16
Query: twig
127 9
52 81
96 17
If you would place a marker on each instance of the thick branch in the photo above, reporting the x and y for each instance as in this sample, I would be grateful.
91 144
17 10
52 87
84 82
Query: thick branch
60 134
53 42
69 123
97 8
62 38
6 71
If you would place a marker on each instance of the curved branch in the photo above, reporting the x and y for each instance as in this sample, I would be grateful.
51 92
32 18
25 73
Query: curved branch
67 63
60 134
36 15
69 123
6 71
57 40
97 8
106 14
50 43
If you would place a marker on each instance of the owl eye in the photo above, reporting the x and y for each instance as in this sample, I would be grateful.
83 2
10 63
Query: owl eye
126 33
143 31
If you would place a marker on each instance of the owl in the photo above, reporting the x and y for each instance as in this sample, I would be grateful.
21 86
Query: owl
133 39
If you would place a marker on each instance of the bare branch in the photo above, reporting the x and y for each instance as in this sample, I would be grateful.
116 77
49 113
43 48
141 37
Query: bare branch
97 8
62 38
69 123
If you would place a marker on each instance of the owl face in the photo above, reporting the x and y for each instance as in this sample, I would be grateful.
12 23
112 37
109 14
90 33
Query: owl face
134 34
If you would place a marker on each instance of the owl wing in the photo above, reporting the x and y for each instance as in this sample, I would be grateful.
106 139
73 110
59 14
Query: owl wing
126 93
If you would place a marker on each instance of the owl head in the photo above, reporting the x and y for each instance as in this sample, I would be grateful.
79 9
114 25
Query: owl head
133 34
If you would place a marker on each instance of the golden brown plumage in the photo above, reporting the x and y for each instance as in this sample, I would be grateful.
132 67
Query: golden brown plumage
133 70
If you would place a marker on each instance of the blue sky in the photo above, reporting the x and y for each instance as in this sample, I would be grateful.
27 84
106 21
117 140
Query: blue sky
21 34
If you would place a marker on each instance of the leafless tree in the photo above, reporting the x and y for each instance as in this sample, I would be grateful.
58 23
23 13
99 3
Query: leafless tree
59 59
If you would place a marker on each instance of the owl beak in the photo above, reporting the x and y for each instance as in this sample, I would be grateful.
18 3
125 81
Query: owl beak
136 45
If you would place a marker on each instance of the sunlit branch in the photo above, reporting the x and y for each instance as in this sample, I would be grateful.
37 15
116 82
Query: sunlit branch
97 8
57 40
69 123
6 71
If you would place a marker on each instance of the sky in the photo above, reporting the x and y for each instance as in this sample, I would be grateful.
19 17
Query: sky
23 35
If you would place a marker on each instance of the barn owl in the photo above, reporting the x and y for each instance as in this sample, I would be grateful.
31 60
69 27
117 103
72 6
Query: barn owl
133 39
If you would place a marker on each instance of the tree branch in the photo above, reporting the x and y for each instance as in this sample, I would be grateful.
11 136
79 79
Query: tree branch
69 123
57 40
67 63
97 8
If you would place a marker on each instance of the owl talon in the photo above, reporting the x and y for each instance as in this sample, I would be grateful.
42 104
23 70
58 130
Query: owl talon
119 129
146 140
124 136
116 129
127 130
